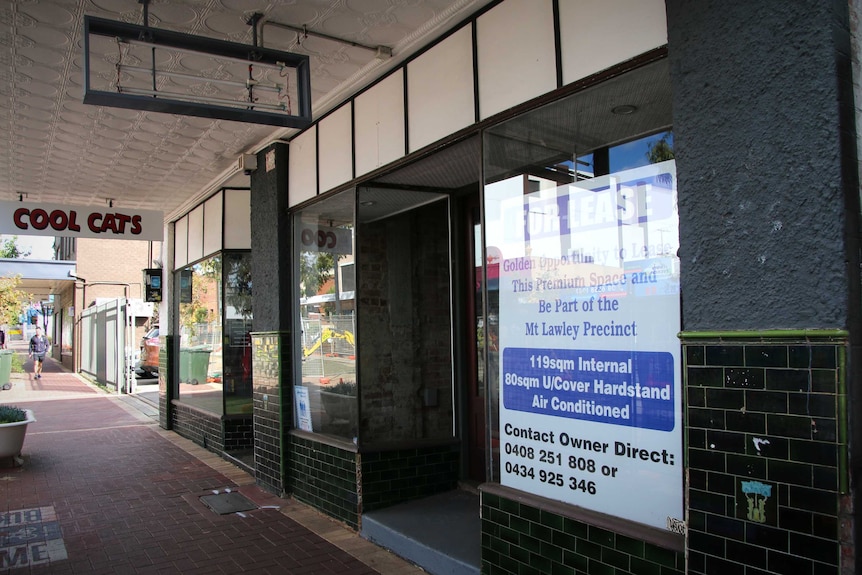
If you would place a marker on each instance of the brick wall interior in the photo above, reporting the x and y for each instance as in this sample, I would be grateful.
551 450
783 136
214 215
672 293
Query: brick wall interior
519 539
390 477
324 477
272 410
763 453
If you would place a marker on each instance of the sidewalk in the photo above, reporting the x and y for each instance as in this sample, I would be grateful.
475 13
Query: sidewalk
104 490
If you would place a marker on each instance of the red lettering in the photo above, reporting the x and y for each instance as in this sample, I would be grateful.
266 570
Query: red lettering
17 217
72 225
109 223
39 219
307 237
136 225
59 220
92 222
122 220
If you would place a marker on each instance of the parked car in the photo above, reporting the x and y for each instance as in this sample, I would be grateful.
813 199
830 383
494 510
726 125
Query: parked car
148 366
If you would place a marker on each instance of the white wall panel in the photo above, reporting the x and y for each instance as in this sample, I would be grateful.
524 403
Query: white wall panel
181 242
380 124
196 233
516 54
594 37
237 221
336 153
440 90
213 210
302 167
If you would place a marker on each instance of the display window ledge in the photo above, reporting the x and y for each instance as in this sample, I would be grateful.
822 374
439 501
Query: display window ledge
348 445
658 537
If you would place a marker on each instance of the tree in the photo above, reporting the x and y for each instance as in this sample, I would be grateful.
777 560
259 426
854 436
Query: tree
9 249
315 269
11 299
661 150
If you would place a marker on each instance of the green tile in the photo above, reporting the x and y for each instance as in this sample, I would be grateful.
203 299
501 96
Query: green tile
543 564
630 546
660 555
642 567
552 552
551 520
575 561
510 506
599 568
557 569
573 527
601 536
531 544
564 540
519 554
588 549
530 513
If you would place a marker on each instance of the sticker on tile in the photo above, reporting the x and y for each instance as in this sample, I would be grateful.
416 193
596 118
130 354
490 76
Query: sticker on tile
30 537
757 502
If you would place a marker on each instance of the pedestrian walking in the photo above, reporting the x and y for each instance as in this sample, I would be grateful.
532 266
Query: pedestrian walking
38 349
2 338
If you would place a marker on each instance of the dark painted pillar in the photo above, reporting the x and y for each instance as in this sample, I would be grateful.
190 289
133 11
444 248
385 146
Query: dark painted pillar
769 205
271 262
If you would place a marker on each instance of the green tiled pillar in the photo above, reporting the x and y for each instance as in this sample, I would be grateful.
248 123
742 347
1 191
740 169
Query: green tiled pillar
766 451
272 408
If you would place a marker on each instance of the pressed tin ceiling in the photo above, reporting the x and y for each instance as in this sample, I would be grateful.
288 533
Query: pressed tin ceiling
58 150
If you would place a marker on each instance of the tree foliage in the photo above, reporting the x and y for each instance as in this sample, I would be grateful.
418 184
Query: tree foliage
9 248
11 299
315 269
661 150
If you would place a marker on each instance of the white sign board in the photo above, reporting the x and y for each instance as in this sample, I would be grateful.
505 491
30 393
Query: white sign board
36 219
303 408
590 391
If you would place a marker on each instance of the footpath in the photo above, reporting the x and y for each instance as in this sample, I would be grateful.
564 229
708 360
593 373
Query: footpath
103 490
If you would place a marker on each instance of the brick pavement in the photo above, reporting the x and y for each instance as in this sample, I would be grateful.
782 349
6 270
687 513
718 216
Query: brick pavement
104 490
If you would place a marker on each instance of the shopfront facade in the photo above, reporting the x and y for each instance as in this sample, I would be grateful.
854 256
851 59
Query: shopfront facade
570 268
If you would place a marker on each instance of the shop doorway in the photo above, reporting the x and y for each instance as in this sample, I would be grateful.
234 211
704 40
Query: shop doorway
455 172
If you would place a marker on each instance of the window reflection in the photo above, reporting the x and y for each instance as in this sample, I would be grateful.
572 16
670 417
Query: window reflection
214 319
326 393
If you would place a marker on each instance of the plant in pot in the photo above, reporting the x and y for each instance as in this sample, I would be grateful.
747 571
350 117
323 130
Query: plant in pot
339 401
13 427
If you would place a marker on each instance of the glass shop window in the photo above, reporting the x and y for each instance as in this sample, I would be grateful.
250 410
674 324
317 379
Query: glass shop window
214 323
581 208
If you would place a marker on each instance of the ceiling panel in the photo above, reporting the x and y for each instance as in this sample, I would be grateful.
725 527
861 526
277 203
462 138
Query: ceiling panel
57 149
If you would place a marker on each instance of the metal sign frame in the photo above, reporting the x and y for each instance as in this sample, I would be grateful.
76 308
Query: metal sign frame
211 46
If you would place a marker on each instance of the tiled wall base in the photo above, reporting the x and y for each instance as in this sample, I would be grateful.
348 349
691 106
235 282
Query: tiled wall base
210 430
766 452
522 539
201 427
324 477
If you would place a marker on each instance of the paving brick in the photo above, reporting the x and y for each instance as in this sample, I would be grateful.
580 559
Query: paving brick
126 495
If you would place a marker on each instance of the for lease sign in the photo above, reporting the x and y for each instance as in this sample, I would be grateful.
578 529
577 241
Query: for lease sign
36 219
589 359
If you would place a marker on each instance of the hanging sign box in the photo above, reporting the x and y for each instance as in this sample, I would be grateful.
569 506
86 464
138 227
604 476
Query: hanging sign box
38 219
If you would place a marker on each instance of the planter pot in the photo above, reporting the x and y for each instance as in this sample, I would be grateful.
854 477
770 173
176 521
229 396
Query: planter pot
12 435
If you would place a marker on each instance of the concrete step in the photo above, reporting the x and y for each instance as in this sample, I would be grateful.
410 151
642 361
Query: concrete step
441 533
